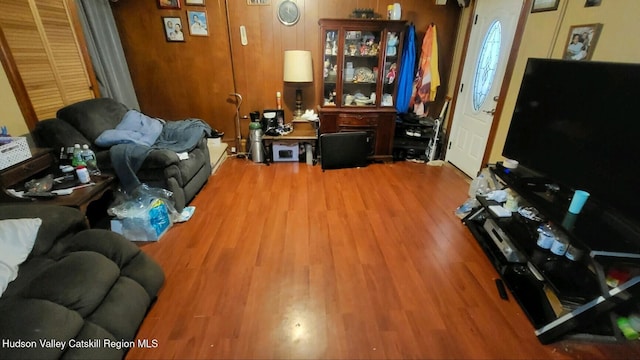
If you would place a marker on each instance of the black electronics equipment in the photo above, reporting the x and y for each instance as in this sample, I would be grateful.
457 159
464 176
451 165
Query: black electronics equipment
271 120
575 123
344 149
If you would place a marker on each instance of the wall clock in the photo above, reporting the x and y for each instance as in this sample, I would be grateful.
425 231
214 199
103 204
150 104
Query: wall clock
288 12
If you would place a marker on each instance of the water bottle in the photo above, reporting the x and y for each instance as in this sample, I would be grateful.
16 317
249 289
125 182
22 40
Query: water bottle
83 174
77 156
89 158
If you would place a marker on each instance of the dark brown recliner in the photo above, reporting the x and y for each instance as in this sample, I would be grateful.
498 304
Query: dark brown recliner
84 121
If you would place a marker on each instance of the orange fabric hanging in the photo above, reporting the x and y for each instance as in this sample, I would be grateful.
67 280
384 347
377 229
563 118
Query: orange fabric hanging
428 77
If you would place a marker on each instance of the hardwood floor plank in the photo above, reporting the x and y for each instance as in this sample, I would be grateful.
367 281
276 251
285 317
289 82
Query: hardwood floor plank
289 262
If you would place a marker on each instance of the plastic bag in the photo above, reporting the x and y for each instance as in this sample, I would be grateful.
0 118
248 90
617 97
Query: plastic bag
128 205
144 215
480 186
37 186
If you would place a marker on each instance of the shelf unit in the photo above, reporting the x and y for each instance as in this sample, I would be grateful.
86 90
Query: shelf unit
360 64
412 137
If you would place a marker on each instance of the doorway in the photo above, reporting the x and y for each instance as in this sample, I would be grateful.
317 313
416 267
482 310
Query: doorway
489 47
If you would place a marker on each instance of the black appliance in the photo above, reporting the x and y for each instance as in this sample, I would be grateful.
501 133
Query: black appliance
255 116
575 123
271 120
344 149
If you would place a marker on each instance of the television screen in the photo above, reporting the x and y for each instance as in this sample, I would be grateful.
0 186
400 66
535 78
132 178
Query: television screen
578 123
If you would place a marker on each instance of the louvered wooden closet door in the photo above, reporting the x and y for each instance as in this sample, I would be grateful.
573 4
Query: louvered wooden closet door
45 49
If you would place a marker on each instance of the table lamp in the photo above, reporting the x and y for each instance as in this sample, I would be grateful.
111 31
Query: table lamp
297 69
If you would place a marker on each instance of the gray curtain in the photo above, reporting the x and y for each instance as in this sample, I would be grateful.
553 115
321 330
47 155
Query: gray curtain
105 49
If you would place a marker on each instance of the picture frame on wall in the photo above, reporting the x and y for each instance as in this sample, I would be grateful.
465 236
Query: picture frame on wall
173 29
544 5
582 41
194 2
258 2
169 4
198 25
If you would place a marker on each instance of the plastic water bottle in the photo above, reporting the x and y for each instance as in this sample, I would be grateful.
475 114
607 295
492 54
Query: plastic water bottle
77 156
89 158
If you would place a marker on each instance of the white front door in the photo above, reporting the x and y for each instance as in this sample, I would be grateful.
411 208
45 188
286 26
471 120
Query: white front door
488 50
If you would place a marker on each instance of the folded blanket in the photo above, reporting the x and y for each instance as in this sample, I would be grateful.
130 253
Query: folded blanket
176 136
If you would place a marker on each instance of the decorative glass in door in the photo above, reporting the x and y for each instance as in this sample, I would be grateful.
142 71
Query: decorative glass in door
487 64
361 59
330 67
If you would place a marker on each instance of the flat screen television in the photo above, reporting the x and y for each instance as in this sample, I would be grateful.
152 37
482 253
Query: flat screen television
578 124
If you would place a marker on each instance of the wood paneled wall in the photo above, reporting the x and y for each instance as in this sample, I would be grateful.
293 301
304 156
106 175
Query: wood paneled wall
195 78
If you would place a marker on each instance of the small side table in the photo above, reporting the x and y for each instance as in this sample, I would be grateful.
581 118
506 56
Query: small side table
81 198
303 131
41 163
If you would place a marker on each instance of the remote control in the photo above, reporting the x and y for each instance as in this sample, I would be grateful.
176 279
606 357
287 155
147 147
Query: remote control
501 289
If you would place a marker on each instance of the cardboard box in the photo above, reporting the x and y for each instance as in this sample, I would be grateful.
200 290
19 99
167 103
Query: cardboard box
286 152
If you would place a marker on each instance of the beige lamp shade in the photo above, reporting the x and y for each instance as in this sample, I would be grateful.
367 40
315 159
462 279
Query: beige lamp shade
297 66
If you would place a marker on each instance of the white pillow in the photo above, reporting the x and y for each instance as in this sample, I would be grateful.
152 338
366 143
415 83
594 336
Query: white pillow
17 237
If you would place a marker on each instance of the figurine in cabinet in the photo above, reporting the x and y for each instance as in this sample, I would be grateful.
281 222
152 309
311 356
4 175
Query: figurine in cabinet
363 50
391 44
332 98
328 48
391 75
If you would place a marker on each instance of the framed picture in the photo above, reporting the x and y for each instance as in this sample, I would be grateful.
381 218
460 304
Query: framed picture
590 3
172 26
169 4
258 2
194 2
544 5
582 41
198 25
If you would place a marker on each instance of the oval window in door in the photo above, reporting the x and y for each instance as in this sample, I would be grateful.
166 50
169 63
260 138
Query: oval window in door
487 64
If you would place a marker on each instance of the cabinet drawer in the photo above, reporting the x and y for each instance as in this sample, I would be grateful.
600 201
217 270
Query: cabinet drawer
357 120
26 169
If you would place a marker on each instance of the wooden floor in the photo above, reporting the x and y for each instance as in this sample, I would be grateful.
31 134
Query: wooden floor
289 262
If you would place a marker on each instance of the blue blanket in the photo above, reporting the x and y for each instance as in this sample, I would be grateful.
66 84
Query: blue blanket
177 136
135 127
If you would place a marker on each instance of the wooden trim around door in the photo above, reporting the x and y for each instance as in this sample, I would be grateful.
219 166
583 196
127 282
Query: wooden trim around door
15 80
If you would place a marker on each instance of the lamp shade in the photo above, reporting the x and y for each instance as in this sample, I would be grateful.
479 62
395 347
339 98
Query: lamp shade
297 66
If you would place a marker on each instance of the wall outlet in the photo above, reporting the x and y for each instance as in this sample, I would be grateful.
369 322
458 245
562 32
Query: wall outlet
233 149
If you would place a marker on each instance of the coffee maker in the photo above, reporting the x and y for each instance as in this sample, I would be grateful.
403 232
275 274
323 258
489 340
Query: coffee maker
272 120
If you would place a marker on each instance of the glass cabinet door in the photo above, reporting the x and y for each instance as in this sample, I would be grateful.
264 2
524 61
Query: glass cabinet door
390 69
330 67
361 59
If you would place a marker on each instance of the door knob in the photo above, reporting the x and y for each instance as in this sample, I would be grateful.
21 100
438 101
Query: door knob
490 112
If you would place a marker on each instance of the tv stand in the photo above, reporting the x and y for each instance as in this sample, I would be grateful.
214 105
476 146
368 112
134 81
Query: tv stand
561 297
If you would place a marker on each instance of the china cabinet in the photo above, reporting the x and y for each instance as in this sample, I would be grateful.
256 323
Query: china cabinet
360 65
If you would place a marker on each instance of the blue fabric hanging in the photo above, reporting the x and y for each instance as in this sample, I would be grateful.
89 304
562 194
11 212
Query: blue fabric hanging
405 81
